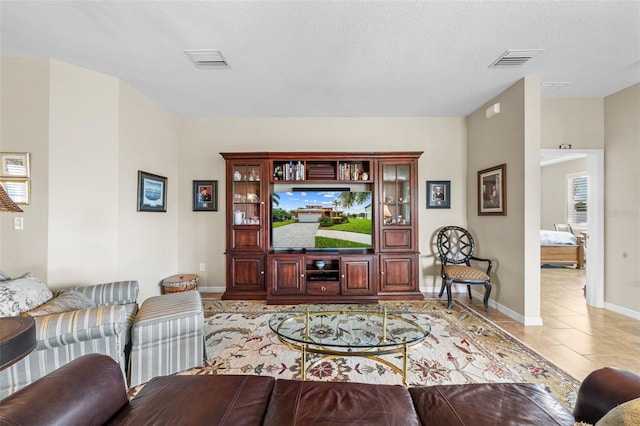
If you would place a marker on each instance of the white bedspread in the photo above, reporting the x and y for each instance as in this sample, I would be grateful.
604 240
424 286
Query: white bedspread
554 238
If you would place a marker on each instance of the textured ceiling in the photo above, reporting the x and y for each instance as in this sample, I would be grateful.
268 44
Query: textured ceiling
333 58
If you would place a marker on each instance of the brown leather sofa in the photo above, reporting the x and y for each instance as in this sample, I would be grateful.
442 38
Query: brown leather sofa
91 391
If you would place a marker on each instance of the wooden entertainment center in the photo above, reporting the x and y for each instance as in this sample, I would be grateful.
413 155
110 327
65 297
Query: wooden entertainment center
386 268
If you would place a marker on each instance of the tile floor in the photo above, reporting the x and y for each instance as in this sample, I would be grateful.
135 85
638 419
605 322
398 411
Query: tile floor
575 337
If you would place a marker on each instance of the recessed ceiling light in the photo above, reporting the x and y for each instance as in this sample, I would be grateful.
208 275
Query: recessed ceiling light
207 58
515 58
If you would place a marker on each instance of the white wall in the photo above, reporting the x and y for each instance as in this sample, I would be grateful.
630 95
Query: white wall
201 234
622 201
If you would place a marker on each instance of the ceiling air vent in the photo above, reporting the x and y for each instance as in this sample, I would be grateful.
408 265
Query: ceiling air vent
207 58
515 58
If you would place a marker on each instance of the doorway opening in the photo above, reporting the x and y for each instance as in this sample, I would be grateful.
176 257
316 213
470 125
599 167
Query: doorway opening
595 215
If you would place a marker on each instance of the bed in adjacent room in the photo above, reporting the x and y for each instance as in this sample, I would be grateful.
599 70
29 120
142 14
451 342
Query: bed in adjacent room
561 248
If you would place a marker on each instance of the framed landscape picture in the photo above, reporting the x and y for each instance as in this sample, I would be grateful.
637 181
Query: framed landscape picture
438 194
492 191
152 192
205 195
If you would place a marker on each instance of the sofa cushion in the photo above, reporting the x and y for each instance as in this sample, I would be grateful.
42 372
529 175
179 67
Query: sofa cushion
627 413
68 300
86 391
323 403
199 400
488 404
22 294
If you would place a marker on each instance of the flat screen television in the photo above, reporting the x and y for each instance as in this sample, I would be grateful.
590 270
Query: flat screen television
321 220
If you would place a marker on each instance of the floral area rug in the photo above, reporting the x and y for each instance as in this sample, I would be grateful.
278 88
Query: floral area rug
463 347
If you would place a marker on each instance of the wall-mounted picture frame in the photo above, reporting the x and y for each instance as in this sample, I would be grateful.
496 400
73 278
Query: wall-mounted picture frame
152 192
14 165
19 190
205 195
492 191
438 194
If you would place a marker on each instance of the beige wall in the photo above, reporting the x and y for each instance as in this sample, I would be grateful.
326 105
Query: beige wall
83 148
622 200
88 134
511 137
575 121
554 191
148 141
201 234
24 127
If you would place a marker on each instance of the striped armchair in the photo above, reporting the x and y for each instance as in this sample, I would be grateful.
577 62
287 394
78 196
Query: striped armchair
66 336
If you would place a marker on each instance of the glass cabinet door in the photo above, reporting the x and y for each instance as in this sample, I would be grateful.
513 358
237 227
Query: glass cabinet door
247 194
396 195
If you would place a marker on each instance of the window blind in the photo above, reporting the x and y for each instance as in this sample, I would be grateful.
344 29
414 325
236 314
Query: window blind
577 197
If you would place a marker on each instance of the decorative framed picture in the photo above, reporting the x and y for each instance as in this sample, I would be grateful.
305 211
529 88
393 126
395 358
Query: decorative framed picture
152 192
205 195
17 189
492 191
438 194
14 164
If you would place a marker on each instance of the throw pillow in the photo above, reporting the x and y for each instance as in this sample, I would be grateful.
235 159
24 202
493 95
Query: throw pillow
624 414
4 277
22 294
68 300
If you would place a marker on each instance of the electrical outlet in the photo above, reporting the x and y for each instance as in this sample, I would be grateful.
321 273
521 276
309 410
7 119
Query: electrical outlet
18 223
202 268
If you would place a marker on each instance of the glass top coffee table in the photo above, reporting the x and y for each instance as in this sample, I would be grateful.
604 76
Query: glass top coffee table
334 334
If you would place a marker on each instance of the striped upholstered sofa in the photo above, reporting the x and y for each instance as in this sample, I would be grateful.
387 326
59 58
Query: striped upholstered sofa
62 337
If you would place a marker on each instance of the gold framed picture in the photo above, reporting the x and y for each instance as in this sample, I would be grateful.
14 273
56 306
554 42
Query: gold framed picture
14 165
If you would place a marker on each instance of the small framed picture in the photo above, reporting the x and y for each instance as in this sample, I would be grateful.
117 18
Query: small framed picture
152 192
205 195
17 189
438 194
14 164
492 191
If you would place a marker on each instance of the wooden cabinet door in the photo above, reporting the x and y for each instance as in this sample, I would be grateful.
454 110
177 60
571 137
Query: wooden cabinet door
398 273
286 276
356 275
397 213
247 192
246 274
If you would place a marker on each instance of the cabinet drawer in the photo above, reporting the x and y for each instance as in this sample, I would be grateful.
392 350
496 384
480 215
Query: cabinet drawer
322 288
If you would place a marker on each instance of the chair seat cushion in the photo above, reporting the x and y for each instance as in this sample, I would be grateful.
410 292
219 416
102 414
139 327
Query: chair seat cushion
460 272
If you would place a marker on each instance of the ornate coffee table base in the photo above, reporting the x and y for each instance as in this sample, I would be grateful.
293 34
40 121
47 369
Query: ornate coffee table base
368 355
300 340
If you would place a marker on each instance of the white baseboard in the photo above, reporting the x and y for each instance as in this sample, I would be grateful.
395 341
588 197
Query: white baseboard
624 311
461 288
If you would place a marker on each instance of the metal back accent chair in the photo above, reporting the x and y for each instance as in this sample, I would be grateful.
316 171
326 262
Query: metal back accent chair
456 248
